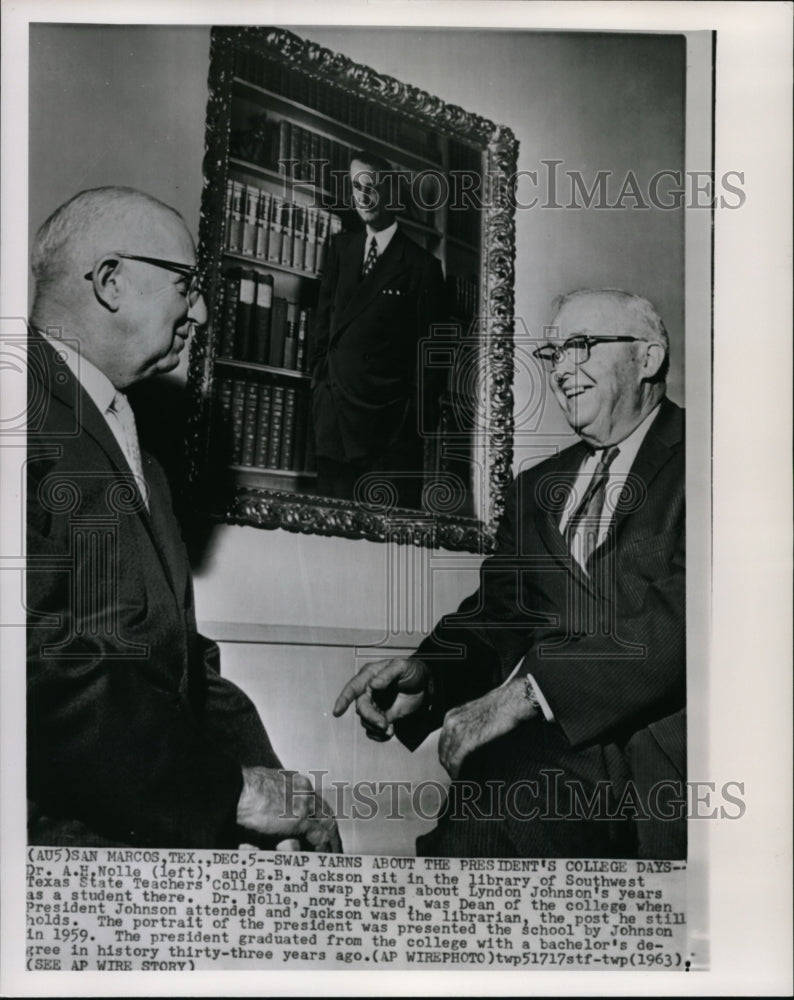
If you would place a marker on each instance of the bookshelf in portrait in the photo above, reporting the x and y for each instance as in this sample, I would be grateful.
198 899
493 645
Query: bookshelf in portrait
285 117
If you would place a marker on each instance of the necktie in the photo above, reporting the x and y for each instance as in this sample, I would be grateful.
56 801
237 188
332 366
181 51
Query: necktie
122 411
371 258
581 531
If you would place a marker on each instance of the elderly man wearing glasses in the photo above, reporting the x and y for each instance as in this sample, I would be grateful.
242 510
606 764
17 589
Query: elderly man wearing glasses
560 684
134 738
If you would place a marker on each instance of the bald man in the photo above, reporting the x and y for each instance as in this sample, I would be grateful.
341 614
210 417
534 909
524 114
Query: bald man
134 738
560 684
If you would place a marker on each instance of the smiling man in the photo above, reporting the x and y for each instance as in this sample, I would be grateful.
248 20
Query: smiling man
133 736
560 684
380 294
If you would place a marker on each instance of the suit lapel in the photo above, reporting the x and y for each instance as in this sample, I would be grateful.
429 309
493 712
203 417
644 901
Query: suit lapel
553 490
90 422
363 292
655 451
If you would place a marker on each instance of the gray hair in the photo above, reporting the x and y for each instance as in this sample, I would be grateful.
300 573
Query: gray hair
77 228
640 312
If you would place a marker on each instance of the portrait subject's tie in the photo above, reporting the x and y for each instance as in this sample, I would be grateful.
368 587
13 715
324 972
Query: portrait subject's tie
371 258
581 531
122 411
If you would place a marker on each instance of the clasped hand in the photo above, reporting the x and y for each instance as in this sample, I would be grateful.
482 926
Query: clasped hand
283 804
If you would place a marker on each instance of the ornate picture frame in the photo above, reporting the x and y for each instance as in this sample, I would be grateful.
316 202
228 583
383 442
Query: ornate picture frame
444 520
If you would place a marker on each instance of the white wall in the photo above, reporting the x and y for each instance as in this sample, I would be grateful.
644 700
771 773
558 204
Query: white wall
126 105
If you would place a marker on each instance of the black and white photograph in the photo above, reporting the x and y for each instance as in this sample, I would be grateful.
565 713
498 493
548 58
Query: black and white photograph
366 493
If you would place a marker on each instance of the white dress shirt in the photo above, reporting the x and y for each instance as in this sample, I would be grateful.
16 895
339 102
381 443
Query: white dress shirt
382 239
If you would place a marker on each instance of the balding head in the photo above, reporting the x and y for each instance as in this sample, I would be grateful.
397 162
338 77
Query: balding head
90 224
131 317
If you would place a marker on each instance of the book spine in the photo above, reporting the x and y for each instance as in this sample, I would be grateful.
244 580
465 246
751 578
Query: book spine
249 423
278 331
260 345
298 237
231 296
245 308
262 226
298 456
276 421
236 226
323 226
286 234
310 250
288 429
249 226
274 245
284 143
303 338
291 338
295 152
227 235
237 412
262 427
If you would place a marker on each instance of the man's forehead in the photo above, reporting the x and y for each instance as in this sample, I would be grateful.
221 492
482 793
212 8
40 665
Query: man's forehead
364 171
593 315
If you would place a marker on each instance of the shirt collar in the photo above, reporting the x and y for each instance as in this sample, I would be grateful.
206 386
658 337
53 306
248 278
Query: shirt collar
630 445
383 237
92 379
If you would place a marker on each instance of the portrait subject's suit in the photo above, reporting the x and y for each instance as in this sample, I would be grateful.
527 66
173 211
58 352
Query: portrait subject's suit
364 346
607 651
133 737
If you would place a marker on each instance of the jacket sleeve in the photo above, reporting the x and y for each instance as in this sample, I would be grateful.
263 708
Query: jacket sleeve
471 651
230 717
113 739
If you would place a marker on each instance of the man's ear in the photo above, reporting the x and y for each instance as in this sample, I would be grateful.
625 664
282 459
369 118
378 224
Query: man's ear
654 359
107 281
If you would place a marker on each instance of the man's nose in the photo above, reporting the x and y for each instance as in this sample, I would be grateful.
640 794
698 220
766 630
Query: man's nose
197 313
563 368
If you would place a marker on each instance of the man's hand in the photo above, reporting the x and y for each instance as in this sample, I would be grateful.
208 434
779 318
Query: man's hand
278 803
384 691
478 722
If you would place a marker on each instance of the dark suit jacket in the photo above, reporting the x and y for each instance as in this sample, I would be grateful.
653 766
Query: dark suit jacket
607 650
364 343
132 733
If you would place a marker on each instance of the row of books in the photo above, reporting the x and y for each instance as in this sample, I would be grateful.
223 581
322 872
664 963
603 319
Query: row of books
290 149
357 112
258 326
268 424
275 230
303 155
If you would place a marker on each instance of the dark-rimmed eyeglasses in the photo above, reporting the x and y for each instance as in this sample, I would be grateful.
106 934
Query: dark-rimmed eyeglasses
189 271
577 349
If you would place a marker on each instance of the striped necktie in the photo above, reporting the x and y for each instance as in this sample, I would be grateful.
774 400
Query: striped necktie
582 529
371 258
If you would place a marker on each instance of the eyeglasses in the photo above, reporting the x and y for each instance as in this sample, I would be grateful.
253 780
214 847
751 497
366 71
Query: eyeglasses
186 270
576 348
